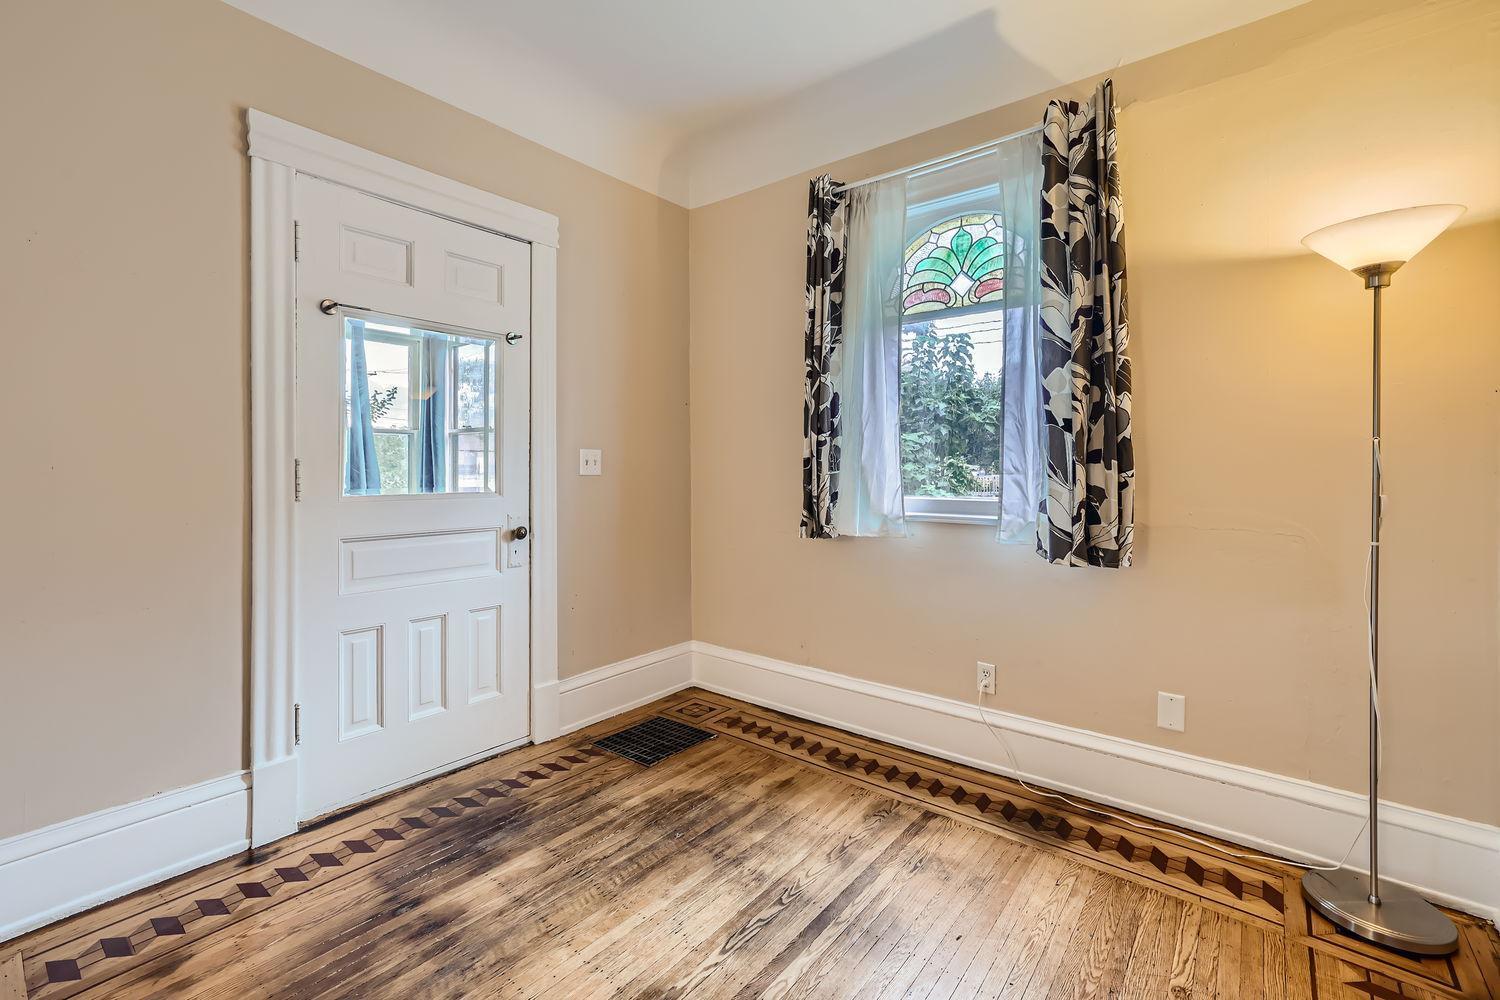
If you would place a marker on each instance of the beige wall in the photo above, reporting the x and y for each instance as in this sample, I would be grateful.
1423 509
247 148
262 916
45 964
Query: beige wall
1251 361
123 558
123 250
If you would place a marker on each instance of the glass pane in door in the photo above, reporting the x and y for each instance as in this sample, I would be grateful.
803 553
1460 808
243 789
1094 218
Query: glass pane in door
469 461
419 410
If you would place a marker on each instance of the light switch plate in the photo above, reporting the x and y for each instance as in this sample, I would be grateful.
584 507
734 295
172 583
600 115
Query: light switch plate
1171 711
590 462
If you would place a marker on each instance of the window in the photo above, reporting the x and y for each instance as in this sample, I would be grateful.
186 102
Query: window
419 410
934 399
394 364
957 263
952 359
473 417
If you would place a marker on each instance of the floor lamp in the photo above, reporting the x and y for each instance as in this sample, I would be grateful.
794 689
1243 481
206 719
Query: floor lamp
1373 247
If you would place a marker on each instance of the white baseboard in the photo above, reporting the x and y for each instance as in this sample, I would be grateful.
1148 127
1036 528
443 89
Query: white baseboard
49 874
52 873
1452 860
60 870
598 694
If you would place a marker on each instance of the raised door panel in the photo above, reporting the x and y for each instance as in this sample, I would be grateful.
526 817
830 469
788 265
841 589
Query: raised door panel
361 682
375 255
371 564
474 279
427 667
484 654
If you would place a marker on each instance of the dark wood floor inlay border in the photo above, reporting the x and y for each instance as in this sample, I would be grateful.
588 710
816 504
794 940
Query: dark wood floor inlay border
695 709
1241 886
901 870
150 935
1328 943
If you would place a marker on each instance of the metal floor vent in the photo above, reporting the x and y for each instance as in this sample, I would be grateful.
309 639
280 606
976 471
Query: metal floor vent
653 740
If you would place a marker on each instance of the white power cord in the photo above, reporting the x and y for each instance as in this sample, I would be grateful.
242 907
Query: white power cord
1015 767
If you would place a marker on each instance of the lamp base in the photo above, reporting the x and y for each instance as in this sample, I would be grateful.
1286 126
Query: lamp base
1401 920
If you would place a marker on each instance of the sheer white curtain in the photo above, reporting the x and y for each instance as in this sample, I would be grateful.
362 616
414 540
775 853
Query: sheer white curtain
1022 458
883 217
868 364
1005 179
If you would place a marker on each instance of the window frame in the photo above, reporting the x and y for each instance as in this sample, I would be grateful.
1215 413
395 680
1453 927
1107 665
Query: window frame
489 431
394 329
414 383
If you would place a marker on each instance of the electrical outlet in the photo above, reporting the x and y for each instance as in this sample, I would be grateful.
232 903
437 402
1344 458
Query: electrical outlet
1171 711
590 462
985 676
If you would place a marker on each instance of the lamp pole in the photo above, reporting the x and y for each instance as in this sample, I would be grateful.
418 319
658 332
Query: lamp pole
1375 281
1391 915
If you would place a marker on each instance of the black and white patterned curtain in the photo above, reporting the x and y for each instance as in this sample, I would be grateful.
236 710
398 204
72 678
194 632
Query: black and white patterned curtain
825 307
1088 513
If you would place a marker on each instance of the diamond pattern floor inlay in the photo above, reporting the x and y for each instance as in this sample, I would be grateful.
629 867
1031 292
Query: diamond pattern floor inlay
137 945
1240 885
191 919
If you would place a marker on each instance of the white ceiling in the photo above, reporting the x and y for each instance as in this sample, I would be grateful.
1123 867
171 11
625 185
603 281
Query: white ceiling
698 100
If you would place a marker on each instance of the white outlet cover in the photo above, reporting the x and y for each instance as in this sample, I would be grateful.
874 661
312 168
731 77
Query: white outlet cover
983 671
590 462
1171 711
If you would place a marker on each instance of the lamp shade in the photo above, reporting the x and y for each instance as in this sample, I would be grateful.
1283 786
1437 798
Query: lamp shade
1383 238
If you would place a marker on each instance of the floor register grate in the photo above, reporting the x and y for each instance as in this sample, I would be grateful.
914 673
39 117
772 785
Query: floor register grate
652 741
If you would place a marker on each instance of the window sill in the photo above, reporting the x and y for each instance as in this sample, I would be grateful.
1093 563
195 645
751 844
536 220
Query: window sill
933 517
953 510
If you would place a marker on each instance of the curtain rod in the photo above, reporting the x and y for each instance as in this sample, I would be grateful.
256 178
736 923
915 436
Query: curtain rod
935 161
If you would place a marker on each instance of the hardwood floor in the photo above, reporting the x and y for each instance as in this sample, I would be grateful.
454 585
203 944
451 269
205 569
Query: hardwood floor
779 859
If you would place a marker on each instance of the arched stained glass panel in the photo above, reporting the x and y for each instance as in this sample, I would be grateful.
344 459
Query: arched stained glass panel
959 262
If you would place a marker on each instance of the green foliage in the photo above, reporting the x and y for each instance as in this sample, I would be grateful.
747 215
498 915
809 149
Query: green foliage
381 400
390 449
391 455
950 417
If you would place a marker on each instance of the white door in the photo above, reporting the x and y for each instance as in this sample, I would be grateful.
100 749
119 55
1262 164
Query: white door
413 414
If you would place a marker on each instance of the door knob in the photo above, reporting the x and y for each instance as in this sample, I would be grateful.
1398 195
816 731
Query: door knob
520 532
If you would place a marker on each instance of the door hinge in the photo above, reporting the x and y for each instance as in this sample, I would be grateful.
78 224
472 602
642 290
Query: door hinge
296 240
296 725
296 480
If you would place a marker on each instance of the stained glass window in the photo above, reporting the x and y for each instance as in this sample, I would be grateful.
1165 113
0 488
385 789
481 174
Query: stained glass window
952 359
960 262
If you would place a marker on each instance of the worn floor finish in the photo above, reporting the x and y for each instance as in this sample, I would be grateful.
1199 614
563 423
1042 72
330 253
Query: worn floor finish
779 859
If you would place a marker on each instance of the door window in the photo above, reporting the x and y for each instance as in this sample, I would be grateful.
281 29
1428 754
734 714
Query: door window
419 410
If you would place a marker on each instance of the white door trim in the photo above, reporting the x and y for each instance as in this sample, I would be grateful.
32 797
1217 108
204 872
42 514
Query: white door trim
314 153
278 151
